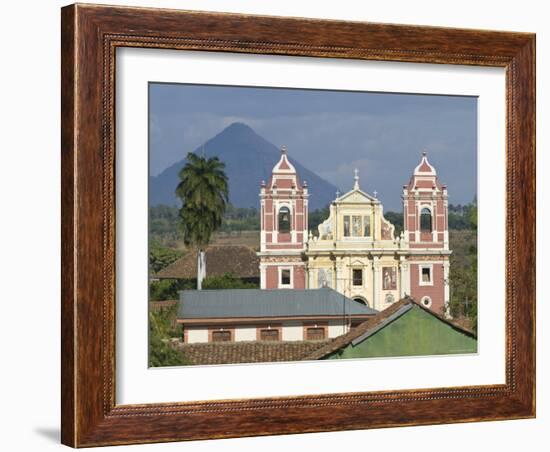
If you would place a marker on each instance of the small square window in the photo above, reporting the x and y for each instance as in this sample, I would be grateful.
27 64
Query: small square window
426 275
269 335
221 336
285 277
315 334
357 277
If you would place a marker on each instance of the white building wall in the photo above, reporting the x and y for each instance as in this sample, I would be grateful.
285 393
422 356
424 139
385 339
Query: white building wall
245 333
337 328
196 335
293 331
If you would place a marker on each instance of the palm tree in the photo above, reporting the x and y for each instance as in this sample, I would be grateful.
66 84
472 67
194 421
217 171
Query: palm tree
204 191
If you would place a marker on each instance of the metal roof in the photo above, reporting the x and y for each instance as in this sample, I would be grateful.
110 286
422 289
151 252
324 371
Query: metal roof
376 323
238 303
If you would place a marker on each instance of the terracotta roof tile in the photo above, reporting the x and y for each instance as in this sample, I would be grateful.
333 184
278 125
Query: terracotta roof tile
249 352
239 260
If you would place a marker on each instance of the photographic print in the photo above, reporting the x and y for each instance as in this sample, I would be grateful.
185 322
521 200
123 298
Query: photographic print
294 224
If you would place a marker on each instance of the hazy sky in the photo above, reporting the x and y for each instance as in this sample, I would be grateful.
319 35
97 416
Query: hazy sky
329 132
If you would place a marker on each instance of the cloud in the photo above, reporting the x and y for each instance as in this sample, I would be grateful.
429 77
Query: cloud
330 133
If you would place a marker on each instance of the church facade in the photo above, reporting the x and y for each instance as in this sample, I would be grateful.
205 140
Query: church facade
355 251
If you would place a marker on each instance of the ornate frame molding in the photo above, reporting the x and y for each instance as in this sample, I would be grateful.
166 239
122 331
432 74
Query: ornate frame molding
90 37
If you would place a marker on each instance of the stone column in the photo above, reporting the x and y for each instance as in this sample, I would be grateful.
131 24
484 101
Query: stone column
405 278
376 283
262 276
310 277
447 285
339 277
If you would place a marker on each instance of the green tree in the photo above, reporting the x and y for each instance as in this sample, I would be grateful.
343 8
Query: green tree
161 330
227 281
160 256
463 272
168 289
472 214
204 192
316 217
395 218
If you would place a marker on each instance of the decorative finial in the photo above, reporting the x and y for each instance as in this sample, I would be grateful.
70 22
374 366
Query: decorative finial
424 153
356 179
263 183
283 149
375 194
337 194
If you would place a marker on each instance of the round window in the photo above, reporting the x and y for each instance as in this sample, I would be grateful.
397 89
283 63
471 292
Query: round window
426 301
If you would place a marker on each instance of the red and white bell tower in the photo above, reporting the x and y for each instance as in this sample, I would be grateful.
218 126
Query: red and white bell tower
283 216
425 228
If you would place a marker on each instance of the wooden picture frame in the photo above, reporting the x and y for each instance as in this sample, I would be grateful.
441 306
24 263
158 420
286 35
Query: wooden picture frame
90 36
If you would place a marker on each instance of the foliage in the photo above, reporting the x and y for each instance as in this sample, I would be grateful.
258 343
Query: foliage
160 256
161 330
463 280
397 220
240 219
461 217
463 271
204 191
163 225
227 281
316 217
168 289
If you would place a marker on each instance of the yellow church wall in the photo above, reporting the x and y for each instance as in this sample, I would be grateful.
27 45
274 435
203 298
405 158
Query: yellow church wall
342 277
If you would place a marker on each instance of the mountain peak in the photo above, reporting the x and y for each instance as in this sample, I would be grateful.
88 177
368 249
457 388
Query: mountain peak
249 158
238 128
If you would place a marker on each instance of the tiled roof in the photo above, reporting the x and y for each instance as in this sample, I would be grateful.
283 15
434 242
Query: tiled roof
251 303
249 352
372 325
239 260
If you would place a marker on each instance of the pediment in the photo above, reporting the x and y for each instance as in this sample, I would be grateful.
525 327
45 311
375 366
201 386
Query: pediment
356 197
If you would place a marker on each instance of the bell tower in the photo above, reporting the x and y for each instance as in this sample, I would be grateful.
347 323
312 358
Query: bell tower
425 208
425 230
283 217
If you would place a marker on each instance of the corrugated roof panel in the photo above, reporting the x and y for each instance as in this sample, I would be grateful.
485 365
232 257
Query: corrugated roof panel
266 303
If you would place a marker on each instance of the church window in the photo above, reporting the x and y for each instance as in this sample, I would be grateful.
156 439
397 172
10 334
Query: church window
346 226
284 219
425 220
357 277
426 301
285 277
366 226
426 275
356 226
